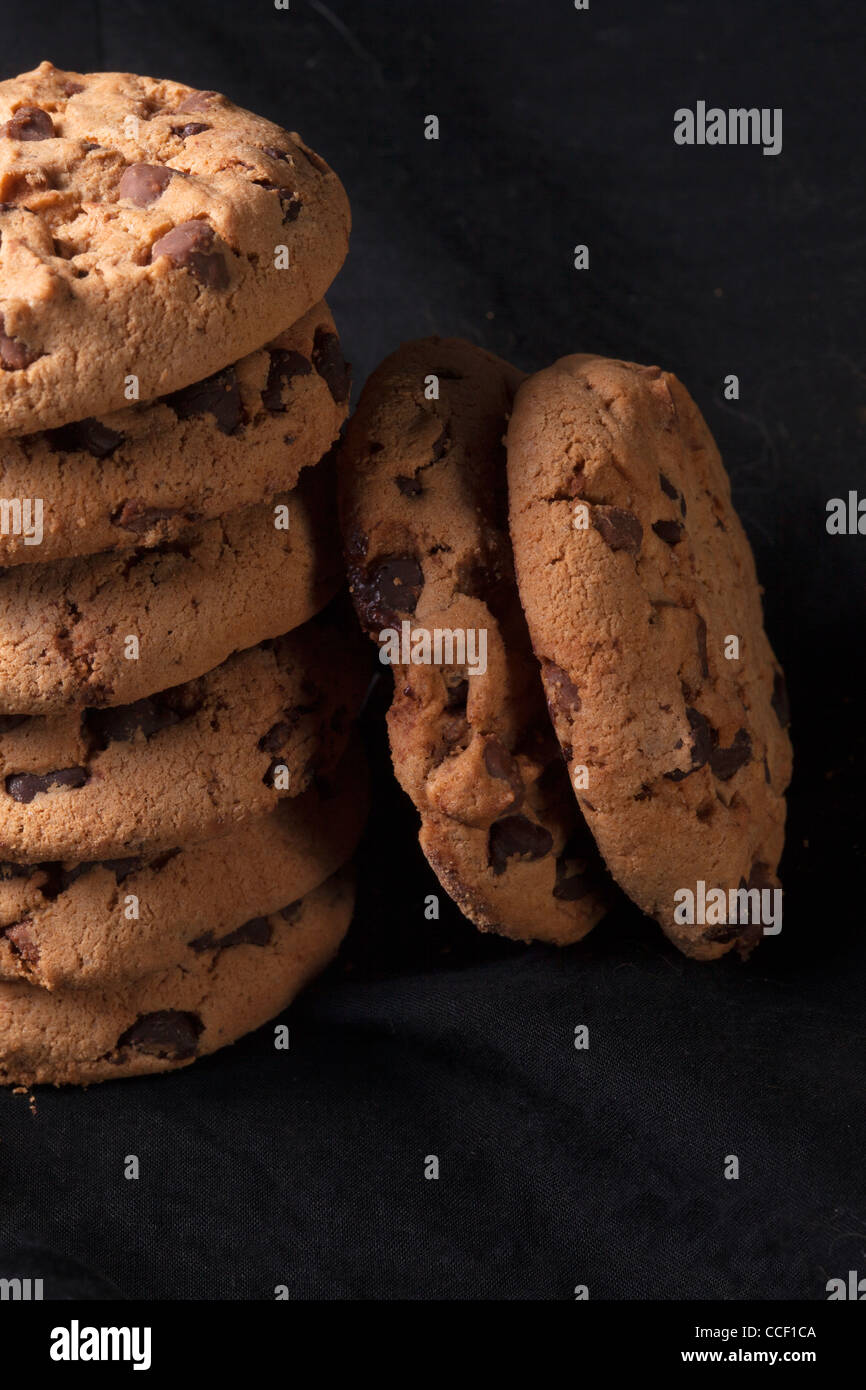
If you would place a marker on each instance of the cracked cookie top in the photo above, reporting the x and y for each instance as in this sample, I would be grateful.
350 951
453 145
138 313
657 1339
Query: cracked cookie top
150 235
644 608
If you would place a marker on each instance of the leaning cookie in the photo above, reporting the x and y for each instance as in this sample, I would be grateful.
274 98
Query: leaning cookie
423 509
147 475
100 925
640 591
185 765
168 1019
150 235
110 629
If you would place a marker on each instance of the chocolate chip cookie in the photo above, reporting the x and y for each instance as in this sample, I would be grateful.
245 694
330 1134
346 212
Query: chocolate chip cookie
150 235
171 1017
640 591
99 925
424 514
147 475
110 629
185 765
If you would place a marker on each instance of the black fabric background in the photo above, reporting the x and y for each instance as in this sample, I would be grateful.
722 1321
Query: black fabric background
558 1167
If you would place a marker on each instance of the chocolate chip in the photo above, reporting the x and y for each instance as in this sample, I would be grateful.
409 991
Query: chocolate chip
24 786
193 128
779 700
668 487
726 761
256 932
751 932
398 582
331 365
575 876
133 515
290 199
198 101
516 836
702 745
377 588
291 204
274 153
142 184
208 942
22 943
277 736
619 529
71 89
410 487
671 532
563 696
218 395
285 365
702 737
85 436
14 355
167 1033
504 767
123 722
29 123
292 911
189 246
498 760
8 722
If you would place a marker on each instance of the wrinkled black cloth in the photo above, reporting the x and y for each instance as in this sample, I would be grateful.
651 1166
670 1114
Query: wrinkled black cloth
557 1167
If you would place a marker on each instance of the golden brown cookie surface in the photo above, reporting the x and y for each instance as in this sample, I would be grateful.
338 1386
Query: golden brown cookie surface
423 507
149 474
168 1019
149 236
113 628
635 574
99 925
186 764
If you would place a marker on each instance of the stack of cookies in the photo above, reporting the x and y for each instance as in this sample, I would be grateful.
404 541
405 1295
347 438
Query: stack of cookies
179 795
583 689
